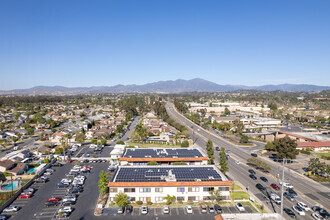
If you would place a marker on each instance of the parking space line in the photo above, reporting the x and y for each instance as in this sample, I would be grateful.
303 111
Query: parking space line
177 210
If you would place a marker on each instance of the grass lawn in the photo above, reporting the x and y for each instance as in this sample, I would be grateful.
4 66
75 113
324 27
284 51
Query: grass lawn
239 195
319 178
143 145
236 187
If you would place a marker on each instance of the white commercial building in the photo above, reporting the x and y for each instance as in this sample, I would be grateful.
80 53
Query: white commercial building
153 183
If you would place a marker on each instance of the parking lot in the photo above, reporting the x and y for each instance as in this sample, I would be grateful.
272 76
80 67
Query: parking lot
175 213
33 208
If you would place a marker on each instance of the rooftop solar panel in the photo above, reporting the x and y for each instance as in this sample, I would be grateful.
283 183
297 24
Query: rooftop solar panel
163 174
161 153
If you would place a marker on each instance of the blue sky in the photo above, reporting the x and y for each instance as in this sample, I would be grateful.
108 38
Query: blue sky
105 42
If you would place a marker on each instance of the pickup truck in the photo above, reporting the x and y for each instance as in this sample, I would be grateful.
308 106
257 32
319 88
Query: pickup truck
275 198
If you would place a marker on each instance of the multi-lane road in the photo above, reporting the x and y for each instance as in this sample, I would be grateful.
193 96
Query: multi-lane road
309 192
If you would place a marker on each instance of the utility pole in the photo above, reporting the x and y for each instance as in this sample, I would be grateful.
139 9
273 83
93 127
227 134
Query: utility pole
282 187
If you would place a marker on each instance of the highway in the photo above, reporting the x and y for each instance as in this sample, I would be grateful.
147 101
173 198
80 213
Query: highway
309 192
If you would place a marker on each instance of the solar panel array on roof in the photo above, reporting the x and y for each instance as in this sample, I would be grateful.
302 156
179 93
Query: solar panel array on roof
164 174
161 153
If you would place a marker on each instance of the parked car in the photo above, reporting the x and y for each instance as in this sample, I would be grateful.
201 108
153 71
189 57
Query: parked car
51 203
264 179
24 196
129 209
11 208
203 208
120 210
240 207
289 212
166 210
144 210
68 202
189 209
57 164
210 208
63 215
299 210
252 171
41 179
66 209
218 208
275 186
3 217
62 185
56 199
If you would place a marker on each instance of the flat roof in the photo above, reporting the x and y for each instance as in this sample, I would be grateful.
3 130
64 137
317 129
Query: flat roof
162 153
168 176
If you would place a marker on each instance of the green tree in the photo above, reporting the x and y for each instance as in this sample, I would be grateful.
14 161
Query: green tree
103 141
103 182
30 131
120 142
216 195
80 137
185 144
94 141
227 112
239 126
152 163
121 199
223 161
270 146
286 148
209 145
179 163
244 139
59 150
46 160
169 199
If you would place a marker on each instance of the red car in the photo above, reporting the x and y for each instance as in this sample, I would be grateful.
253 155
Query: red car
275 186
70 161
24 196
54 199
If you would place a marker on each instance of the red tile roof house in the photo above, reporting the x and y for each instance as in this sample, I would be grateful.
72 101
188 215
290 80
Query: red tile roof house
316 146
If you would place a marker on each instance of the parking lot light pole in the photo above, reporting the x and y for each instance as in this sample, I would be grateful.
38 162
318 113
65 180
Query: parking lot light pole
282 187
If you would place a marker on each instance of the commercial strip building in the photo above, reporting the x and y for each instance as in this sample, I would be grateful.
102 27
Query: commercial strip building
163 156
153 183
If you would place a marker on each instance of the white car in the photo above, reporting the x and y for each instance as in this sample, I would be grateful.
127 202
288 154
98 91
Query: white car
69 199
77 167
237 162
48 173
317 216
287 185
240 207
66 209
189 209
303 206
166 209
92 146
66 180
11 208
144 210
299 210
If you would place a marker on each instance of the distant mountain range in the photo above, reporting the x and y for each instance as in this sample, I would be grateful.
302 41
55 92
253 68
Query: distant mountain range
170 86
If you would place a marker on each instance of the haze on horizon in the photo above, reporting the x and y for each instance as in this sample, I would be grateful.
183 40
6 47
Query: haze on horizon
83 43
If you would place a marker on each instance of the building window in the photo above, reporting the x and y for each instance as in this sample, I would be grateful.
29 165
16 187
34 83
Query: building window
129 190
180 189
132 199
158 189
159 199
145 190
206 198
113 190
180 198
225 188
192 198
193 189
208 189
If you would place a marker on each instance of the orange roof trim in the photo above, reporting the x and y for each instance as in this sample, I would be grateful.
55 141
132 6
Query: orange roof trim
163 159
169 184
